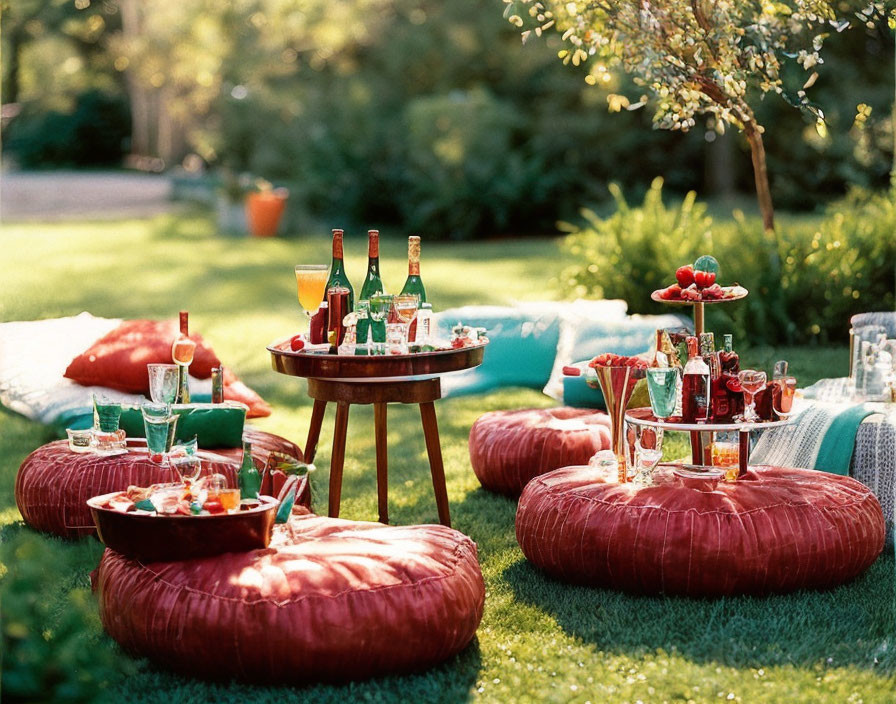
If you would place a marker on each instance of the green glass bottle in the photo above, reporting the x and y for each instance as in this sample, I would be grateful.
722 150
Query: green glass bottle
373 283
338 277
414 284
249 478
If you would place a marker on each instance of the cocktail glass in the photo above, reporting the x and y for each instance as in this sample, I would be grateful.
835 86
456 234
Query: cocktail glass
159 424
662 387
163 381
648 451
752 382
311 283
188 467
617 385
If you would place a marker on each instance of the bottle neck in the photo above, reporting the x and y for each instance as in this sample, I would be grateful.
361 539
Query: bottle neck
337 246
373 245
184 323
413 256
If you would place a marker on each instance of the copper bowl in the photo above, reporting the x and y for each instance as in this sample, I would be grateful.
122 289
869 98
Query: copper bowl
163 538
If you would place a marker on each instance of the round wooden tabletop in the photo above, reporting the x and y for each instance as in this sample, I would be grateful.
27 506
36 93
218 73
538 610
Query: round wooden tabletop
365 368
684 302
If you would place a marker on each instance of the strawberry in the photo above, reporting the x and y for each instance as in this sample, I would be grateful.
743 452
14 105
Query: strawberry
672 293
684 275
296 343
704 279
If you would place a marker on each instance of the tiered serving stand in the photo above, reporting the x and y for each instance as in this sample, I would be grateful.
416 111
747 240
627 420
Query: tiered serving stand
378 380
698 431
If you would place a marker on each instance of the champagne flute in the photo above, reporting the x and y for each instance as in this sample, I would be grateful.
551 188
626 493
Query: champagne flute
189 467
311 283
648 442
752 382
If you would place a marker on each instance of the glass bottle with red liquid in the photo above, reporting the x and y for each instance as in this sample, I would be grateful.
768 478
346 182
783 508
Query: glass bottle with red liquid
695 386
182 351
729 361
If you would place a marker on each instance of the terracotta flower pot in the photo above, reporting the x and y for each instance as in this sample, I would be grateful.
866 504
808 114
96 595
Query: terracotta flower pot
264 211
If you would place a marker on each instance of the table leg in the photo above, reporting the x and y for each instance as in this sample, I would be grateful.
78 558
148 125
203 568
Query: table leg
337 458
434 450
743 452
382 471
317 420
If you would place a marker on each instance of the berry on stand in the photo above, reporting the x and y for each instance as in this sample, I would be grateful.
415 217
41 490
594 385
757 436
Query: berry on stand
684 275
296 343
704 279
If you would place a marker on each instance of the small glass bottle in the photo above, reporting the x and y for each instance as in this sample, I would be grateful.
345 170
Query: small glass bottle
217 384
249 478
182 351
695 386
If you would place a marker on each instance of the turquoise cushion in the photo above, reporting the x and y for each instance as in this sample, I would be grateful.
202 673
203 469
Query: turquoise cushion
214 425
521 349
578 394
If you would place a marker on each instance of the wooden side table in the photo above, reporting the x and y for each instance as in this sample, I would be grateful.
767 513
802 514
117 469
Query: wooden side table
345 380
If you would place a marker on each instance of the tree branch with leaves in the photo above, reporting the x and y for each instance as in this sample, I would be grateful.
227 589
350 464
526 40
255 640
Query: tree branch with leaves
699 57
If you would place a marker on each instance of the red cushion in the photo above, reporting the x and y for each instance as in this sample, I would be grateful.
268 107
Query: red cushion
54 483
119 358
328 600
508 448
775 530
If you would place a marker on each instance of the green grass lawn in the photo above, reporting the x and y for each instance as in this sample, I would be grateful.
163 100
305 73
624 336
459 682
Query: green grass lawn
540 640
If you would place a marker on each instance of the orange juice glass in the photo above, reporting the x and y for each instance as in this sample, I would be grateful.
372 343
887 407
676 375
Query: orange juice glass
229 498
725 456
311 281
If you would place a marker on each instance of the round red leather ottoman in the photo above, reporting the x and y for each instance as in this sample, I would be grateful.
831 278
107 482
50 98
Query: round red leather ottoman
774 530
53 483
508 448
330 599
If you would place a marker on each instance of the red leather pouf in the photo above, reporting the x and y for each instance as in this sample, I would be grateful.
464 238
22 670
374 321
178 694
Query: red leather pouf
54 483
328 600
508 448
774 530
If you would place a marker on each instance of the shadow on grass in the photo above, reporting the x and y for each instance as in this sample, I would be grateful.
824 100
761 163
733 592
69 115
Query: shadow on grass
852 625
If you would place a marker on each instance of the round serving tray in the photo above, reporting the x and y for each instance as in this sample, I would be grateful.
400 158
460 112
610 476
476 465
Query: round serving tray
162 538
318 365
644 416
656 297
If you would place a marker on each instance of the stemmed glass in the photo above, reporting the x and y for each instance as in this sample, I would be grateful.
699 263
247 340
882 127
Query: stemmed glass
311 282
406 305
189 467
163 381
662 386
752 382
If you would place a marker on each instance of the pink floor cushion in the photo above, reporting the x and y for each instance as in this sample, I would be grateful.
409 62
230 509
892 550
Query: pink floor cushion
329 600
508 448
775 530
53 483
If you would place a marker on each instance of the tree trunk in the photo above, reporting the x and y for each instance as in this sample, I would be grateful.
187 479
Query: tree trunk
15 40
760 174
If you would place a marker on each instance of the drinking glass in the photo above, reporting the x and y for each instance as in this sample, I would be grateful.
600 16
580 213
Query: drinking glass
311 282
380 305
159 423
783 403
106 414
662 386
189 467
726 456
752 382
648 451
406 305
396 338
163 381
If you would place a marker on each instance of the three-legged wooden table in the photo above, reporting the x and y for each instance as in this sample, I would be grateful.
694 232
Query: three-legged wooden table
346 380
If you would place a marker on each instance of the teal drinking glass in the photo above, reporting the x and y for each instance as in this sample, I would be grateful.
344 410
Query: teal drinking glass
662 386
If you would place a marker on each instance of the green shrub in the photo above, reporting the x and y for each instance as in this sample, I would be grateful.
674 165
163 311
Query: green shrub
805 281
53 646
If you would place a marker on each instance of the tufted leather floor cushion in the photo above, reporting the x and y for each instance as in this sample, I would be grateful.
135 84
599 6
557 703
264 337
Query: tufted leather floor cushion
53 483
775 530
329 600
508 448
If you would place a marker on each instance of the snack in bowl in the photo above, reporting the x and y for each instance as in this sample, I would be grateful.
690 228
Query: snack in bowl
608 359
